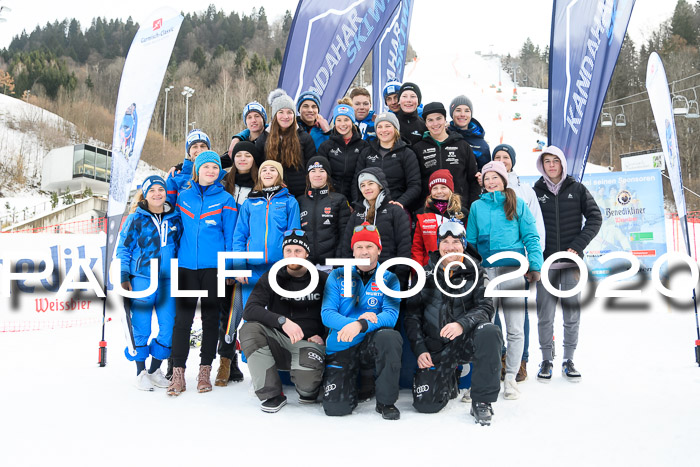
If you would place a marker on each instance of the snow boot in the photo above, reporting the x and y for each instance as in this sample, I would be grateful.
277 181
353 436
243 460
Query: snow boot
389 411
158 379
235 373
204 378
510 388
569 372
143 383
522 372
482 412
222 376
274 404
177 384
545 373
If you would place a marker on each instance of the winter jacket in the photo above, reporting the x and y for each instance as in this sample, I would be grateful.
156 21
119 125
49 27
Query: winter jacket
453 154
323 216
143 238
343 158
430 310
425 238
474 135
265 306
400 166
208 220
525 191
262 221
491 232
366 127
412 127
314 131
243 186
294 177
392 223
339 310
179 180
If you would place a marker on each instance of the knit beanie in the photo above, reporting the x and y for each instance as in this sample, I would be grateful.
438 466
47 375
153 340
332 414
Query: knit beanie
442 177
279 100
203 158
460 100
274 164
365 235
499 168
196 136
411 87
255 106
391 87
366 176
296 237
150 182
434 108
319 162
246 146
346 110
507 148
387 117
308 96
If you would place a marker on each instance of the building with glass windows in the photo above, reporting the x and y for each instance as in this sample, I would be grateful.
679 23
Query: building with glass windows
77 168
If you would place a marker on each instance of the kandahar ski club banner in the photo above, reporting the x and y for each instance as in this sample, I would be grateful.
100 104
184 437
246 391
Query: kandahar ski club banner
389 53
586 40
141 80
662 108
328 42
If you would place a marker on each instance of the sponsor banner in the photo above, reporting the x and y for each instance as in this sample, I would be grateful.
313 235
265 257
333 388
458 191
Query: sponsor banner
636 161
328 42
662 108
633 218
389 53
585 42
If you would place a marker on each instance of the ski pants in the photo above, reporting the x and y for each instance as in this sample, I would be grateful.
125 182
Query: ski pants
513 314
380 349
433 387
141 318
196 279
269 350
563 279
233 310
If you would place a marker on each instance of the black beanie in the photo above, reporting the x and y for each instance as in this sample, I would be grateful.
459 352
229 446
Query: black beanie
411 87
245 146
297 237
319 162
507 148
434 108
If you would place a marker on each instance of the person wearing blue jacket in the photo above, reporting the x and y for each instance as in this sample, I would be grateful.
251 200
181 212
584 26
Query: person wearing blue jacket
196 143
310 120
501 222
265 216
364 115
209 218
255 118
361 331
461 110
152 230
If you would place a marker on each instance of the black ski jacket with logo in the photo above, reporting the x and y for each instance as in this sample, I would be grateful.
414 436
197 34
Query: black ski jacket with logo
323 216
343 159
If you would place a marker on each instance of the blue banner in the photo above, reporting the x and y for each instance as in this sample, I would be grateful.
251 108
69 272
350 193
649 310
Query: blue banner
389 53
586 40
328 42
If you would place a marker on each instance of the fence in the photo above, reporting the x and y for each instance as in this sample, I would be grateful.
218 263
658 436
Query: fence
88 226
693 232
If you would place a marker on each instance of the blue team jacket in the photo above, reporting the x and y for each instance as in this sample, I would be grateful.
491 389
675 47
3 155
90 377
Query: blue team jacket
178 182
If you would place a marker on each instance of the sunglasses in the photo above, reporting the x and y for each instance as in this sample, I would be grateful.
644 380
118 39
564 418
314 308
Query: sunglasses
369 228
297 232
454 229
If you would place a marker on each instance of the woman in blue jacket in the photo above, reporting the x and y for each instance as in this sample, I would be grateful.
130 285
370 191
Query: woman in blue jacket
208 217
269 211
152 230
501 222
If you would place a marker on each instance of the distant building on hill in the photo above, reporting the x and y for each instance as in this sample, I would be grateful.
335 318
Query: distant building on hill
77 168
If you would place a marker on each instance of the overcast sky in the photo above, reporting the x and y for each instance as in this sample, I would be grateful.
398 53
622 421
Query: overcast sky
498 25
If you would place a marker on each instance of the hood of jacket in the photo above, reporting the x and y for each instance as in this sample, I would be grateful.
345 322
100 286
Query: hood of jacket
474 129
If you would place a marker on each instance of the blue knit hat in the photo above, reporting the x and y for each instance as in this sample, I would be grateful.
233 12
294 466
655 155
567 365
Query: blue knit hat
203 158
391 87
308 96
507 148
196 136
255 106
346 110
150 181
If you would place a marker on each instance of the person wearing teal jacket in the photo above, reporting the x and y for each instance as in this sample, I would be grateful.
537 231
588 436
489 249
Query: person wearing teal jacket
501 222
265 216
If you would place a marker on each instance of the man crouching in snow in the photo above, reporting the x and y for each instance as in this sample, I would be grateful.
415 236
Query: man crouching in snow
361 331
446 331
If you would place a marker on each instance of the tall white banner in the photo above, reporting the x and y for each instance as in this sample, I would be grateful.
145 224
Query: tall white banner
662 108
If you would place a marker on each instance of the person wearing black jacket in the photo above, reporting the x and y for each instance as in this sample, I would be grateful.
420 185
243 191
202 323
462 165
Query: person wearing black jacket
439 149
396 160
446 331
412 126
343 148
564 202
323 214
284 333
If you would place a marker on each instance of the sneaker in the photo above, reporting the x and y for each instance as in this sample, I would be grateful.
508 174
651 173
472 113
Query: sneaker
204 378
274 404
389 412
143 383
522 372
224 372
177 385
467 396
510 388
306 400
158 379
482 412
235 374
545 373
569 372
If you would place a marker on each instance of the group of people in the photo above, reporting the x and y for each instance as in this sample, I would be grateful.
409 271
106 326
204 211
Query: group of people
368 187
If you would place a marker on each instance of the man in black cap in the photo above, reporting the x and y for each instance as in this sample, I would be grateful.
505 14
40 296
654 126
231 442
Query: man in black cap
284 333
